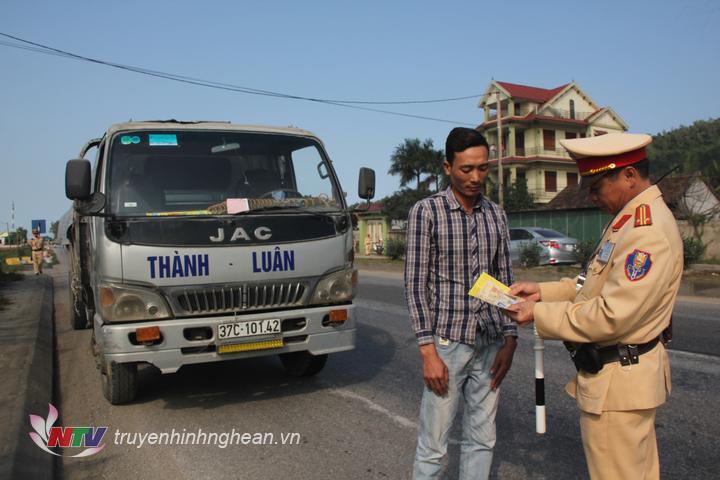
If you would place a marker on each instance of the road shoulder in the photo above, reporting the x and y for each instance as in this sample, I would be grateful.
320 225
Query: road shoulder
26 363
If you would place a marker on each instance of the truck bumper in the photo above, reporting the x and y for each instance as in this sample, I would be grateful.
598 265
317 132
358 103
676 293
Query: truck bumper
175 349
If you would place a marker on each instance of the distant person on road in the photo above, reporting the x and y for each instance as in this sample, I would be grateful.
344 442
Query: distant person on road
613 316
37 245
466 345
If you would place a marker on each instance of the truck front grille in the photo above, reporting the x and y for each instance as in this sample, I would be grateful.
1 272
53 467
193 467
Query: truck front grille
236 298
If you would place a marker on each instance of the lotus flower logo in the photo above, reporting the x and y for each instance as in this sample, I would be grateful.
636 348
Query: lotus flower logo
47 436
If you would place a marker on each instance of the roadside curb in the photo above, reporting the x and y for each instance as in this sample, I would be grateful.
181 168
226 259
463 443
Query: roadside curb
704 267
698 299
28 460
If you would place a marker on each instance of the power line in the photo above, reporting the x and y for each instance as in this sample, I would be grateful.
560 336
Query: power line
45 48
354 104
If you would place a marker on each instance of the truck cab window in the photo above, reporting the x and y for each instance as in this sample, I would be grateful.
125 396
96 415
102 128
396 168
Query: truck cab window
189 171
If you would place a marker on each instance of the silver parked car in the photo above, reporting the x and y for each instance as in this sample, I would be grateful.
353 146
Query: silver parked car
555 247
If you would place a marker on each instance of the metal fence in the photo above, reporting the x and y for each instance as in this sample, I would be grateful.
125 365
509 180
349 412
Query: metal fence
583 224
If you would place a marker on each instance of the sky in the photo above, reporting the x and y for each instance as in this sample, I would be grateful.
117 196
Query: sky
656 63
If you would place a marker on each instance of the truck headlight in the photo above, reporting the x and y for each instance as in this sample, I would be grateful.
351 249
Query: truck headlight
336 287
124 303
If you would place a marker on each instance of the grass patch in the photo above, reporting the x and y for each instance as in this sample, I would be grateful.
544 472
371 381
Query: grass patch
24 251
9 273
381 264
379 261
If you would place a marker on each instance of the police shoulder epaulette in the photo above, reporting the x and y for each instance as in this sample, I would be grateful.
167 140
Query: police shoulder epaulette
642 215
619 224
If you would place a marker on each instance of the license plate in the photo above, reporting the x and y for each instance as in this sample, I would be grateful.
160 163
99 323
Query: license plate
570 247
248 328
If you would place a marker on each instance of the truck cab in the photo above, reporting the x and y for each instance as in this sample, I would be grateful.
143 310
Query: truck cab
195 242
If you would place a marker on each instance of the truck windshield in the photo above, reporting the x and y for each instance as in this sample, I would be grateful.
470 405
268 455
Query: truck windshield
203 172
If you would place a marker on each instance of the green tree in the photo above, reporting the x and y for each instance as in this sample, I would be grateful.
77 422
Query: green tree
695 148
412 159
21 235
435 168
397 206
516 196
54 228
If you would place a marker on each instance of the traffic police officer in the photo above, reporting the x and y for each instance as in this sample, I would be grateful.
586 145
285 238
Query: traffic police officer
613 315
37 244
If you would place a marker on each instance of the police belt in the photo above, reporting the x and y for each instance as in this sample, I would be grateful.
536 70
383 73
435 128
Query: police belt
37 249
591 358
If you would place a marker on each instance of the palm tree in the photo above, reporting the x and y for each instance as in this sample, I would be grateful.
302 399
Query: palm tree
412 159
434 166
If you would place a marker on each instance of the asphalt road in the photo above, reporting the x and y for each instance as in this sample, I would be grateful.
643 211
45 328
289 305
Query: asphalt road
357 418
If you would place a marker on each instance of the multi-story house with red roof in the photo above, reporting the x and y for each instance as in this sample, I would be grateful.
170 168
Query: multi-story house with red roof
533 121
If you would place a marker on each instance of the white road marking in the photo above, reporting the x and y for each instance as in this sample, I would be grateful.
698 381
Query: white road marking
399 419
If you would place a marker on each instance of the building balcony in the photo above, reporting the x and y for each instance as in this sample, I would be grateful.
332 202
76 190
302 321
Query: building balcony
549 112
493 116
540 151
567 114
530 152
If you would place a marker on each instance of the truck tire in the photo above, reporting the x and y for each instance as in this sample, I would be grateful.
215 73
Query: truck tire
302 364
120 382
78 320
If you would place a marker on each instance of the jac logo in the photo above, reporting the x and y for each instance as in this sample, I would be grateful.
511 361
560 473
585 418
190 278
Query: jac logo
260 233
47 436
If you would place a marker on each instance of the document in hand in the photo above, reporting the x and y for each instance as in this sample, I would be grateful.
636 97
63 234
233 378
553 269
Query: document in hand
492 291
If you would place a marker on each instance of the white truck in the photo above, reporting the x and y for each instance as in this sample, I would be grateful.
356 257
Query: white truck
197 242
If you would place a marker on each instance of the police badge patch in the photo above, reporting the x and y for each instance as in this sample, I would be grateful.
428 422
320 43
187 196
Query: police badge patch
637 265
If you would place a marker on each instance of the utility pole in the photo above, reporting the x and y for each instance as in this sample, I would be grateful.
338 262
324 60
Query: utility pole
499 148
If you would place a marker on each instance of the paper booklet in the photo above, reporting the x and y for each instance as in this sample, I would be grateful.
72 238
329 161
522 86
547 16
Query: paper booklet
493 291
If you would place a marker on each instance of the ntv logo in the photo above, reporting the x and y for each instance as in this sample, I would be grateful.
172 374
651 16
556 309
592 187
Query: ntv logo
47 436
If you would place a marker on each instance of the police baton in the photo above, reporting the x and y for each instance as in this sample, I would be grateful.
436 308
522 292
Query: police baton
539 348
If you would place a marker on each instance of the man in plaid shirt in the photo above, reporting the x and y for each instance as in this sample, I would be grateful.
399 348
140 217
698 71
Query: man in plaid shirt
466 345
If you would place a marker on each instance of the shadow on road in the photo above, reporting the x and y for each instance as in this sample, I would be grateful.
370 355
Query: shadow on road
217 384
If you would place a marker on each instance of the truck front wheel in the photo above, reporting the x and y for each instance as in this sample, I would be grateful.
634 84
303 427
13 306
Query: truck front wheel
120 382
302 364
78 317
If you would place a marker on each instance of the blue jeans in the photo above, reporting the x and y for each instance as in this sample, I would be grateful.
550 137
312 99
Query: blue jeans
469 379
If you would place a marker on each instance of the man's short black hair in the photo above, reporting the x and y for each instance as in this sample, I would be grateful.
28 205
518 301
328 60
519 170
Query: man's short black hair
460 139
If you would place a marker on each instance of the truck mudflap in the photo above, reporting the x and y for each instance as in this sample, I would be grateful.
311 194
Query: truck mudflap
188 341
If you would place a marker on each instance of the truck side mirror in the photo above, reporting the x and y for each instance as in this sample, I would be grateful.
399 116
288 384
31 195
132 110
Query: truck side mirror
93 206
77 179
366 183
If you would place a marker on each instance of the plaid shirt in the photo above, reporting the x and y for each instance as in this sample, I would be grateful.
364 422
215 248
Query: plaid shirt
447 249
